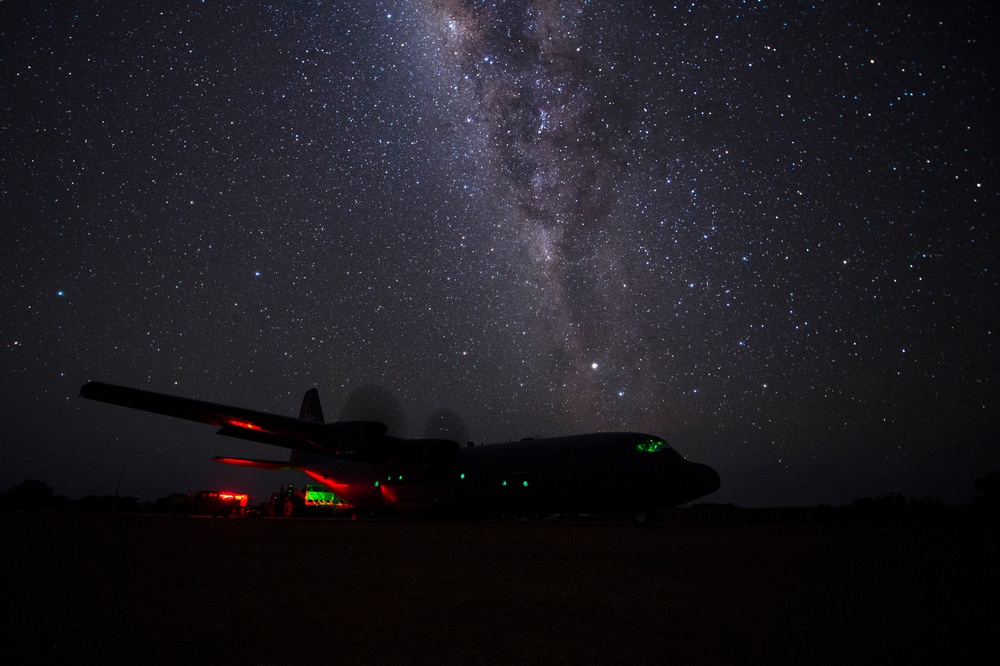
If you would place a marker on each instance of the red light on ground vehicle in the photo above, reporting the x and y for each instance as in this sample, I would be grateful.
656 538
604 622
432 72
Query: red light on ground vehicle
238 497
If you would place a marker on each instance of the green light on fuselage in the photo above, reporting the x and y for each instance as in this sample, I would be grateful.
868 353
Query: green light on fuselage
462 475
524 483
650 446
504 483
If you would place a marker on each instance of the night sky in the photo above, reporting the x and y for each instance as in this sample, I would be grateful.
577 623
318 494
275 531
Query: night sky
766 232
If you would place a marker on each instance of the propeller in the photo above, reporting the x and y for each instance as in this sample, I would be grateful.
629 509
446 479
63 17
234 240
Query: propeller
373 402
445 423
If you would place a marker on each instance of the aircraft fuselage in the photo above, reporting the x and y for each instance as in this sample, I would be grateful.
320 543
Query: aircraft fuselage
593 473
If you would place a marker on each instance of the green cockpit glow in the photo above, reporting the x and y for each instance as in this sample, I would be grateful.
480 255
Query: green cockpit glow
651 446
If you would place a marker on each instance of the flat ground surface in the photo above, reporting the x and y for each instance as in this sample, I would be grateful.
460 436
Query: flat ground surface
80 588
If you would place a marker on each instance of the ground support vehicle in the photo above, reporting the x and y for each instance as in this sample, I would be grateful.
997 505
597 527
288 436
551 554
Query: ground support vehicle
310 500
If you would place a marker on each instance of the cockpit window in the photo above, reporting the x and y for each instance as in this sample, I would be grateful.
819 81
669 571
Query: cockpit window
651 445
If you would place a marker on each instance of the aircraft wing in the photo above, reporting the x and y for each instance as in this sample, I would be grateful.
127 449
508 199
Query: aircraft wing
338 438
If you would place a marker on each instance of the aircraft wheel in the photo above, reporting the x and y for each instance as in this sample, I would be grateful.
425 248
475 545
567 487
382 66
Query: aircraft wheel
642 518
288 508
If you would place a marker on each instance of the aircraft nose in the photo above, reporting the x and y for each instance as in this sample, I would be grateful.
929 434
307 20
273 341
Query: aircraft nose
705 479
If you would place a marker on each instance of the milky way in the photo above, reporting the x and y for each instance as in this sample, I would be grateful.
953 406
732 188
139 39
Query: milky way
765 233
556 132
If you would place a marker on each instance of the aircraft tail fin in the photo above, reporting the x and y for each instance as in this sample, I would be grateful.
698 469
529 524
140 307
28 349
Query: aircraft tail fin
311 409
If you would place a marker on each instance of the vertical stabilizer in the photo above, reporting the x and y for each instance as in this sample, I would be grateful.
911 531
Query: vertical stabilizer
311 409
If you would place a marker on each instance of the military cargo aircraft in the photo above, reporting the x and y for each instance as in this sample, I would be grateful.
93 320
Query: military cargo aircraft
598 473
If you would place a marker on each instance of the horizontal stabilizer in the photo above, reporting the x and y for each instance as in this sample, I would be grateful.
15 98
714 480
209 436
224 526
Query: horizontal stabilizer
273 465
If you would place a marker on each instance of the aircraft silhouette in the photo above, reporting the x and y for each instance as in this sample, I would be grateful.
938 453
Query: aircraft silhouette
610 472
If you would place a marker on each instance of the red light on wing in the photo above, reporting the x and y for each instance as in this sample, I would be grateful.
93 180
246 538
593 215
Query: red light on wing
245 424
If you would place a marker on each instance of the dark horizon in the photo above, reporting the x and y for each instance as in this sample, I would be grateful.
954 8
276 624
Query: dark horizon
891 506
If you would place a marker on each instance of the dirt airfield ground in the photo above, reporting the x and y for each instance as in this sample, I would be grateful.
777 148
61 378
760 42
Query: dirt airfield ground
145 589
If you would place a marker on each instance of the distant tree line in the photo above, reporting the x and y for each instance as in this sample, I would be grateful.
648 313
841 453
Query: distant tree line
32 494
989 491
38 495
889 509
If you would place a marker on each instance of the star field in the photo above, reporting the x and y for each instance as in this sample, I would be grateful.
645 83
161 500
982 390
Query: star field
766 233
